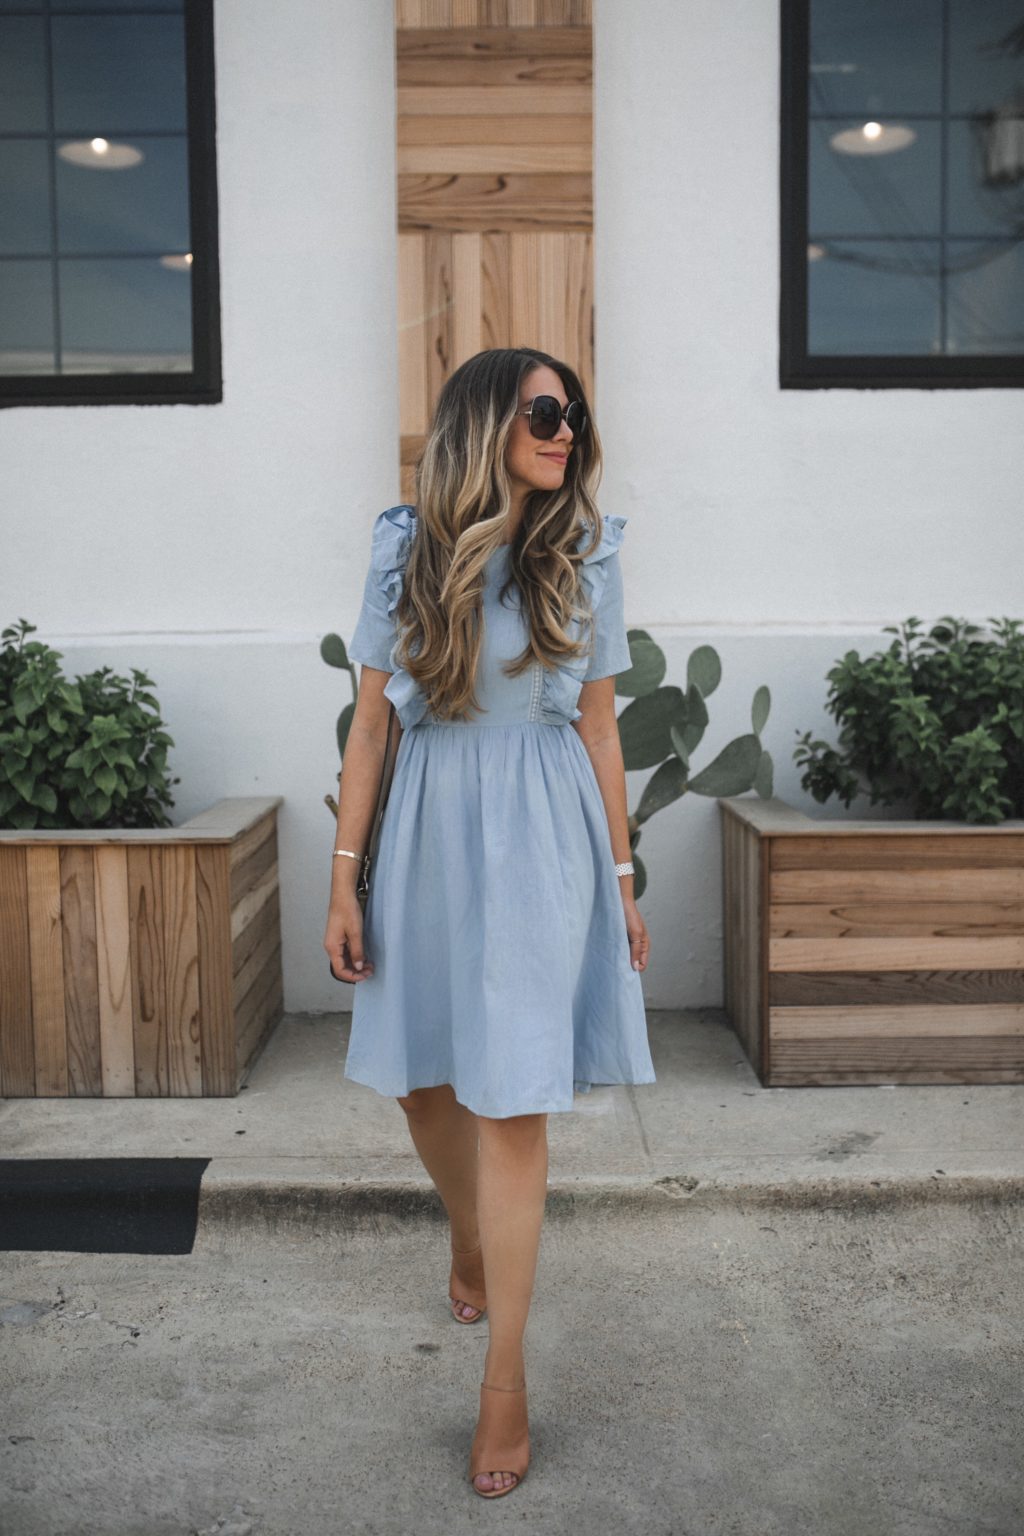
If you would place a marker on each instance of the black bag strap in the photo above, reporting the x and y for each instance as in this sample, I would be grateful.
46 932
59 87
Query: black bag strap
383 790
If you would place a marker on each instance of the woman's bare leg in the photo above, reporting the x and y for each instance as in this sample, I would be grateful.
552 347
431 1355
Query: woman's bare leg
494 1196
511 1191
512 1186
444 1133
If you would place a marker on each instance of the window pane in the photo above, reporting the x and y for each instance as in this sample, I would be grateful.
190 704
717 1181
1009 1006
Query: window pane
986 298
874 297
890 192
25 210
986 61
118 73
26 317
125 316
22 74
117 5
865 58
142 207
984 199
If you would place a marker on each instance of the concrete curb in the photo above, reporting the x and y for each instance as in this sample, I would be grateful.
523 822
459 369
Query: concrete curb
238 1199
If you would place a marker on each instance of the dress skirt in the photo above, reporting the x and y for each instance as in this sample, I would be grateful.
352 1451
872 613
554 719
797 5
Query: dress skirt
496 928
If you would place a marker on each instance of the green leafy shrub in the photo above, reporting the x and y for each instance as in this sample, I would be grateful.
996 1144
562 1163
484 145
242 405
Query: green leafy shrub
935 721
91 753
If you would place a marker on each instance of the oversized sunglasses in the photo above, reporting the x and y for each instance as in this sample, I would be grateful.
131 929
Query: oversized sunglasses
546 416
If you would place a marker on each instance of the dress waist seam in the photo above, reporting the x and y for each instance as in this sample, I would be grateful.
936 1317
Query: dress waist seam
486 725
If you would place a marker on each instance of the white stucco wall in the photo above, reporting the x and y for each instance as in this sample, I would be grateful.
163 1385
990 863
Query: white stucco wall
749 503
213 546
244 516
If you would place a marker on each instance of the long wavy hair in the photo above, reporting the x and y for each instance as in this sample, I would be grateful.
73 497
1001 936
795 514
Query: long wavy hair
463 500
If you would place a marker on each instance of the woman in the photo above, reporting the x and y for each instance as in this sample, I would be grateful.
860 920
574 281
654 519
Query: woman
499 966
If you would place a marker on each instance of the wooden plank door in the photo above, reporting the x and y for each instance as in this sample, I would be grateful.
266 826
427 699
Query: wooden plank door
495 199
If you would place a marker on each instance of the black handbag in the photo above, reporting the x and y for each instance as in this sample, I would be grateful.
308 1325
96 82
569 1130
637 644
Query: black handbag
387 773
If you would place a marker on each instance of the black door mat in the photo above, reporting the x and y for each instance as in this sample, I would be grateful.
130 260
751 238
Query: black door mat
100 1204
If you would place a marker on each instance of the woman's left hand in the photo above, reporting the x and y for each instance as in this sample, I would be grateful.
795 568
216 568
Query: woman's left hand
639 939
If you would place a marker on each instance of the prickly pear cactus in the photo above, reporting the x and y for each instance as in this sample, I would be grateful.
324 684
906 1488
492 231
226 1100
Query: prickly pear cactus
334 652
665 724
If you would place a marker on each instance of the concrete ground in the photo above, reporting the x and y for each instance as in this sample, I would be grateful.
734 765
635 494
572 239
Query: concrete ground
706 1129
757 1312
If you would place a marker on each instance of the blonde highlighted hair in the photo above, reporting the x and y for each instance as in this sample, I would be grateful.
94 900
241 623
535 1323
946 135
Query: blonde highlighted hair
463 499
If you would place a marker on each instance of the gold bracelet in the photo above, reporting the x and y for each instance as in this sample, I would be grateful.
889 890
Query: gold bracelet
347 852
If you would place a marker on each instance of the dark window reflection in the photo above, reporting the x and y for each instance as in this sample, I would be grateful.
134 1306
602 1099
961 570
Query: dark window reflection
25 226
93 5
26 317
143 208
864 194
125 317
986 298
94 164
875 297
916 177
116 5
114 73
22 74
876 56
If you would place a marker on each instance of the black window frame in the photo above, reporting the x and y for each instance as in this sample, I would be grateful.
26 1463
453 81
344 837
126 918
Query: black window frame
203 385
798 369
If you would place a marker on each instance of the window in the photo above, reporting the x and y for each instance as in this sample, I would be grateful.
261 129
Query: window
902 193
108 203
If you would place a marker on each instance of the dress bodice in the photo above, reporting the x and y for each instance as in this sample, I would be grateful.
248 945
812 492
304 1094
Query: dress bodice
542 695
503 699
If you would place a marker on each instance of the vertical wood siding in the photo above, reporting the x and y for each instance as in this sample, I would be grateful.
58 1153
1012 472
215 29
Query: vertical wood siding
140 968
495 195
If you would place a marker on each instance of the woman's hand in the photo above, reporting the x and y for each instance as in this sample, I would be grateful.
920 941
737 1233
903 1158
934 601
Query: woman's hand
357 795
343 939
639 939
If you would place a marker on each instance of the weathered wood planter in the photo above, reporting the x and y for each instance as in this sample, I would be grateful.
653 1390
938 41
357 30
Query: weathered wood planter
873 952
142 963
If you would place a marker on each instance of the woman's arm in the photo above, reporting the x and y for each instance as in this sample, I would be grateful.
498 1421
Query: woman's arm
598 729
357 799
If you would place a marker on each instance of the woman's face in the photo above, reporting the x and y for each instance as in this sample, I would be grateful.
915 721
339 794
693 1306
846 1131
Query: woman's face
534 464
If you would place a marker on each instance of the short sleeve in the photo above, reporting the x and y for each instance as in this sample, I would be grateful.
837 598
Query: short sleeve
611 646
374 634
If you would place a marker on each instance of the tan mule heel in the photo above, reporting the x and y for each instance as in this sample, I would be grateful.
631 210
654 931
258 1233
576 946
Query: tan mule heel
502 1439
464 1292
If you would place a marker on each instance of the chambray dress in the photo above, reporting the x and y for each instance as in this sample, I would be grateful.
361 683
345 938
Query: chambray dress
495 920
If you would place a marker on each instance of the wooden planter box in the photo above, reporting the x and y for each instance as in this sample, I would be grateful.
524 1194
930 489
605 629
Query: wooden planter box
139 963
873 952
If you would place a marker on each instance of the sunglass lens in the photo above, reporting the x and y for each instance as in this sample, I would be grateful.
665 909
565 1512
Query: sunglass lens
545 416
576 418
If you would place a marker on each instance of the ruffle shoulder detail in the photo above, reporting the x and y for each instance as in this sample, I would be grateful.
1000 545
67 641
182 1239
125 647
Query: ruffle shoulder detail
560 688
594 570
390 546
613 532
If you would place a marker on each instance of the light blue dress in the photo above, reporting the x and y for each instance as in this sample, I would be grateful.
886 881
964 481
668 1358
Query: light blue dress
495 919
